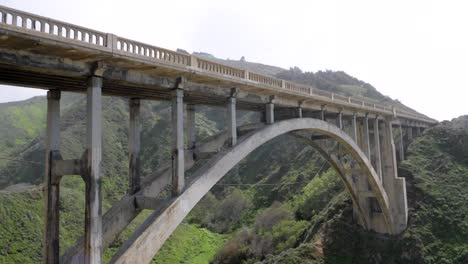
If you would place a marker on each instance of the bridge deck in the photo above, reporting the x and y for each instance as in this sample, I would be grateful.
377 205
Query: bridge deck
44 53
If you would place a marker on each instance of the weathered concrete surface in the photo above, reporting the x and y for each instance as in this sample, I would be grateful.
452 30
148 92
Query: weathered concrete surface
231 119
148 239
394 186
270 113
178 167
378 153
52 186
93 201
134 131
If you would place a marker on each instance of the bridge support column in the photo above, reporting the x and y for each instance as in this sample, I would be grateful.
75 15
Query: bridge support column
322 112
232 120
365 137
354 132
409 134
178 166
93 211
134 130
378 155
299 112
394 186
51 185
191 129
270 111
401 144
339 120
418 131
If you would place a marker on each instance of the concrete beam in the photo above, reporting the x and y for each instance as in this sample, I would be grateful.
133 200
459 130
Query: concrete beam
67 167
134 131
51 187
149 203
93 203
178 171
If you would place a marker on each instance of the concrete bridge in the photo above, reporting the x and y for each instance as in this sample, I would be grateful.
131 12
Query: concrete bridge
355 135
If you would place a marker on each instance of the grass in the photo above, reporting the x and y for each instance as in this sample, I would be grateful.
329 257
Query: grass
190 244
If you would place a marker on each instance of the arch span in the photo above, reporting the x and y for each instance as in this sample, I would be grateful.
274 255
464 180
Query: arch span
150 237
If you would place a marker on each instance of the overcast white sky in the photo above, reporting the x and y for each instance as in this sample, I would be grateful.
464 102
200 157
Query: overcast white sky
415 51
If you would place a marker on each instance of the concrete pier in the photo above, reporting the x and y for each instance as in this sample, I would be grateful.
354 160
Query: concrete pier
232 120
378 153
339 120
178 161
93 210
365 136
51 185
299 112
134 131
354 128
270 112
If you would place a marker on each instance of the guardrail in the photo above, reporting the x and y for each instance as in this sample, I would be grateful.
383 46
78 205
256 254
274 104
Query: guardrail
91 38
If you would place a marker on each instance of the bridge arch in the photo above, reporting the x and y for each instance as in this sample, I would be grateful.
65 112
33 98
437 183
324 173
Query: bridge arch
150 237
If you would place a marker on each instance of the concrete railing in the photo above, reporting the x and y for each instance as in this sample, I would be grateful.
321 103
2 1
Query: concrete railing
217 68
299 88
265 80
55 29
27 21
134 48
